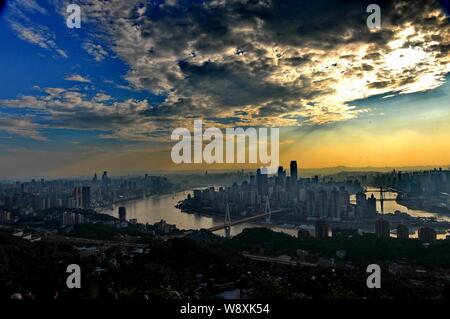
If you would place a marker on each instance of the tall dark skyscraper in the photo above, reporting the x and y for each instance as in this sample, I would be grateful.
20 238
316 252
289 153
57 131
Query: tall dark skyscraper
321 229
294 172
427 235
281 172
122 214
82 196
382 228
105 178
402 231
86 195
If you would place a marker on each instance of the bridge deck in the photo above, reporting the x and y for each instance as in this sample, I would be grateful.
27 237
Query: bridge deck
244 220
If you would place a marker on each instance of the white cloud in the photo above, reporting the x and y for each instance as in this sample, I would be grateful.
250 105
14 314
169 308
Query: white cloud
20 16
77 78
32 6
22 126
70 109
214 60
96 50
211 61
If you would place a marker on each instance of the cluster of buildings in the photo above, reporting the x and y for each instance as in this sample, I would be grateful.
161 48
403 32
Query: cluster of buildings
418 183
79 194
72 218
307 198
382 230
5 217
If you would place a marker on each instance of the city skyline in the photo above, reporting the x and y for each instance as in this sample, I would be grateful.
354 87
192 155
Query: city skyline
113 90
202 170
225 157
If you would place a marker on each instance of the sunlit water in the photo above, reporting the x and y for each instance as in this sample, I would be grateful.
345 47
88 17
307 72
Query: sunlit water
154 208
390 206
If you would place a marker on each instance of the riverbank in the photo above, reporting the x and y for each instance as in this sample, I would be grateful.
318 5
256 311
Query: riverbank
420 204
364 225
127 200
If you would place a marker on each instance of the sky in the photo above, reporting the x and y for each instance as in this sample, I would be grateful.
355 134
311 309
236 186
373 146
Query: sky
108 95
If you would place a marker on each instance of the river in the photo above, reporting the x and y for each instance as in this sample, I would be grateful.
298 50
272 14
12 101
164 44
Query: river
154 208
390 206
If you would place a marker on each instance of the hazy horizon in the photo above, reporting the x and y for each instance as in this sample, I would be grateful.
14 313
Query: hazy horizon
305 171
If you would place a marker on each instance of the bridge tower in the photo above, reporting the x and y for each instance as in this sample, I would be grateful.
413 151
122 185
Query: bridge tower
267 210
227 222
382 200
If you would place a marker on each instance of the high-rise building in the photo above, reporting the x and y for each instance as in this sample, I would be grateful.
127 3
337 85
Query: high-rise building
382 228
321 203
321 229
281 172
258 181
427 235
333 205
105 179
79 219
86 195
402 231
78 198
5 216
82 197
122 214
262 184
310 203
293 171
344 202
68 218
371 207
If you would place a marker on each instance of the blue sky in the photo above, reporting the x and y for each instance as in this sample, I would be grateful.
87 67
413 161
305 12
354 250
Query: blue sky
82 99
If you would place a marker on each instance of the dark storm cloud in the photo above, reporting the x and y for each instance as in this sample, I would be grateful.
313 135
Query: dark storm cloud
255 62
221 56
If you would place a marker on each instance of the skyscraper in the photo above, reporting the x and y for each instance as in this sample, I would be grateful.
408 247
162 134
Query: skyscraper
402 231
105 179
294 172
82 197
382 228
86 196
427 235
122 214
281 172
77 195
321 229
333 205
371 207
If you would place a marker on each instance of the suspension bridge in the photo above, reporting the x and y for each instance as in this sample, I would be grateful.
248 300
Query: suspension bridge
267 214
